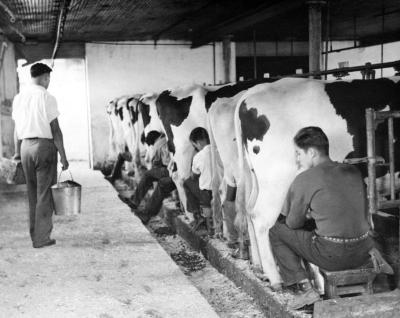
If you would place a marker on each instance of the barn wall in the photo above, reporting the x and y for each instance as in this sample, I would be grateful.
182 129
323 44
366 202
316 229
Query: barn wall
360 56
8 89
138 67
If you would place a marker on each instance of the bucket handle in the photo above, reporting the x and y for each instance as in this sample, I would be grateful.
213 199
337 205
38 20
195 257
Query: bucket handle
59 176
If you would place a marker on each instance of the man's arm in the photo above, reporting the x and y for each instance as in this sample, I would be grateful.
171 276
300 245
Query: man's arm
296 205
17 145
59 143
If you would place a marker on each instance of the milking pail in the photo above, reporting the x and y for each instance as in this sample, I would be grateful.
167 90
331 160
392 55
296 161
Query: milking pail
66 197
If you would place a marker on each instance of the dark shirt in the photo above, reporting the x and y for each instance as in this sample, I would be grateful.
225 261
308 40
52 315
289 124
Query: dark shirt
334 195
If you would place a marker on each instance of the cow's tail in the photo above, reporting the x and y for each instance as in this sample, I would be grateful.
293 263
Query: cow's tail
247 192
216 167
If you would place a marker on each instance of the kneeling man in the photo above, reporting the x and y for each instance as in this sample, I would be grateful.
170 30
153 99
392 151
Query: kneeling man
334 196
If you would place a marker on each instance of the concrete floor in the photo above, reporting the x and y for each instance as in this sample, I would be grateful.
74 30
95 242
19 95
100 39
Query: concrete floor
105 263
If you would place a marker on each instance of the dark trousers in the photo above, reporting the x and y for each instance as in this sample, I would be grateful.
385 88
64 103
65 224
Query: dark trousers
290 246
164 186
122 157
39 161
196 197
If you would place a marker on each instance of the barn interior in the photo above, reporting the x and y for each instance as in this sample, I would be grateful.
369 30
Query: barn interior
103 49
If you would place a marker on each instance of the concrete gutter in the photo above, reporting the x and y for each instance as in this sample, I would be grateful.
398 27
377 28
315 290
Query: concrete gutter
218 254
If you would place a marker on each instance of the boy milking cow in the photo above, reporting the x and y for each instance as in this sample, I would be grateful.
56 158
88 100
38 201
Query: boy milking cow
333 195
198 186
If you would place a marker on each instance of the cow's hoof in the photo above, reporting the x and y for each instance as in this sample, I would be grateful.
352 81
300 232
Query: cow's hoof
219 236
238 254
277 287
261 276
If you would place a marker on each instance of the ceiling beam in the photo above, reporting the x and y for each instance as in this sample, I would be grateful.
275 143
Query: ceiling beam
245 20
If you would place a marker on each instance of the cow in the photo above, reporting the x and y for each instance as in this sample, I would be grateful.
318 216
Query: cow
220 105
116 136
183 109
129 116
266 119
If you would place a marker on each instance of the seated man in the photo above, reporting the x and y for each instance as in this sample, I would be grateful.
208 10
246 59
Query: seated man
116 171
333 195
198 186
158 172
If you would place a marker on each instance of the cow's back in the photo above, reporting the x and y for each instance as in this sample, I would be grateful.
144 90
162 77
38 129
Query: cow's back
283 108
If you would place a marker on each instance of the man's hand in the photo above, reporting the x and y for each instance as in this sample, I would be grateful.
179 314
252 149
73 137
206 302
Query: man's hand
65 163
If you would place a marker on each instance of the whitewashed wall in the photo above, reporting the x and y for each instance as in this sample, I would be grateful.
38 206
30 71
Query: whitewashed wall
8 89
372 54
137 67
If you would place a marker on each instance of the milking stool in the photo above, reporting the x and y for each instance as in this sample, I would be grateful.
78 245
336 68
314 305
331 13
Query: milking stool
355 281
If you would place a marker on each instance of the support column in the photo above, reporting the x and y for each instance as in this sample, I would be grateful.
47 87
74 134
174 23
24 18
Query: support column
314 34
226 54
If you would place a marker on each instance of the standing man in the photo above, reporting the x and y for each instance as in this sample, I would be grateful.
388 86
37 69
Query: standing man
37 138
333 195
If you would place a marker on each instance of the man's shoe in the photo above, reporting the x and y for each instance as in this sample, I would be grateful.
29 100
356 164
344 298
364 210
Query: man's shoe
380 264
308 297
48 243
144 217
110 179
233 245
128 201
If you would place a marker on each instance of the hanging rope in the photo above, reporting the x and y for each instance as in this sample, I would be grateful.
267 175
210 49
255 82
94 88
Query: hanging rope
60 28
8 11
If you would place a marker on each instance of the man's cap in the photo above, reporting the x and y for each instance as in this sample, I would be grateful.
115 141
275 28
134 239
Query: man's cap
38 69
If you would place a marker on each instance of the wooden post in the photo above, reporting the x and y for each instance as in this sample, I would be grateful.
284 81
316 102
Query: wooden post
226 54
254 54
370 120
314 34
391 158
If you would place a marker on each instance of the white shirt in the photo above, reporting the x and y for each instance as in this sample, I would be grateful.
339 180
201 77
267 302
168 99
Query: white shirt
202 165
33 110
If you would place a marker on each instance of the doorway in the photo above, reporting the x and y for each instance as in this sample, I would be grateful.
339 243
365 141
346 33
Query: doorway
68 86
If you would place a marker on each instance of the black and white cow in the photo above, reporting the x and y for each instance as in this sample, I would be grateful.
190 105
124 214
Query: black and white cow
266 119
183 109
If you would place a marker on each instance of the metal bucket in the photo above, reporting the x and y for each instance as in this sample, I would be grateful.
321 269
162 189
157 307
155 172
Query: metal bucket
66 197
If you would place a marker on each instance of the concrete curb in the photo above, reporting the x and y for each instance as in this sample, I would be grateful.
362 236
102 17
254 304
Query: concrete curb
218 254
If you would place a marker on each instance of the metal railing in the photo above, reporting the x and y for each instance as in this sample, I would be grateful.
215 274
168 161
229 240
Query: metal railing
372 116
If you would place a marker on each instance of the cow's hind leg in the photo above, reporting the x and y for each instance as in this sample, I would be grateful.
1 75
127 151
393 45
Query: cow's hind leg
266 256
254 251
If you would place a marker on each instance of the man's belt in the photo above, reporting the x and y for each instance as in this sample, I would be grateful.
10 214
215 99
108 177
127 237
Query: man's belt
345 240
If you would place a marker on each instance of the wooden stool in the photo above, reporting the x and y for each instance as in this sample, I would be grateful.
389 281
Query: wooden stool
354 281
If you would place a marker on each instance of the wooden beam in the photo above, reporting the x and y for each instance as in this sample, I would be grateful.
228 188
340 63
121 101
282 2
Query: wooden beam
245 20
314 33
226 54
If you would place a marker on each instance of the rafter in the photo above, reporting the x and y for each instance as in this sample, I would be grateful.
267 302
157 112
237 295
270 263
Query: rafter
245 20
